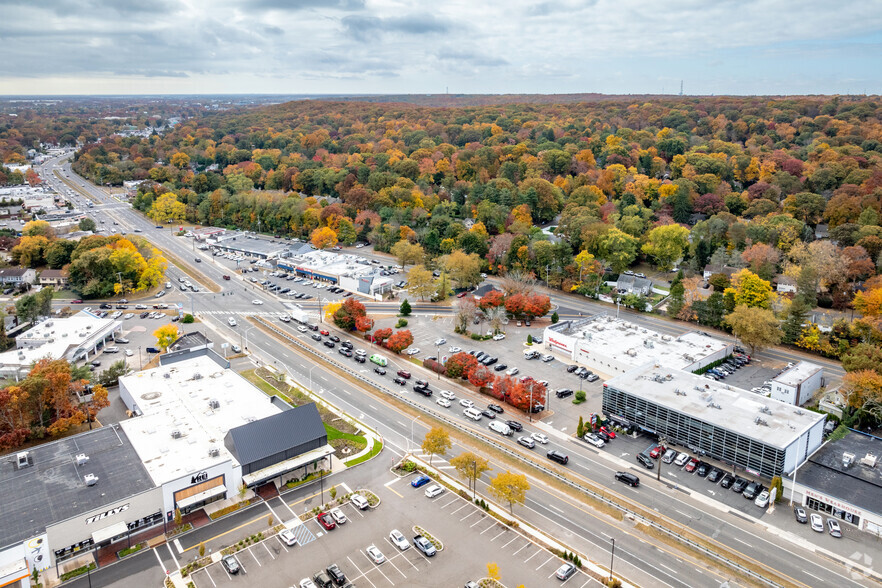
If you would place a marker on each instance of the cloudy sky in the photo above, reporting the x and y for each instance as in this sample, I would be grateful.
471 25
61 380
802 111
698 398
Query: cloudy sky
460 46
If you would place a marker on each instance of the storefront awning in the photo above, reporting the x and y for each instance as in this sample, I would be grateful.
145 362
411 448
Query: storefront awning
283 467
106 533
199 497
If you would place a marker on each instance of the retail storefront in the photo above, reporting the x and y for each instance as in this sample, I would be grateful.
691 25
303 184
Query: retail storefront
196 489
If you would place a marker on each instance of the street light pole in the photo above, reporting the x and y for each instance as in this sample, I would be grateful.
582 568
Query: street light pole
612 558
412 423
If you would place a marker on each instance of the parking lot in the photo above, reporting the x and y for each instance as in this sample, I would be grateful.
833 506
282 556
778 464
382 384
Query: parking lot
471 539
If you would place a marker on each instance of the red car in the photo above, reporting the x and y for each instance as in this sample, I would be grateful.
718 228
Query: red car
610 432
77 301
324 332
693 463
656 451
326 521
461 295
404 374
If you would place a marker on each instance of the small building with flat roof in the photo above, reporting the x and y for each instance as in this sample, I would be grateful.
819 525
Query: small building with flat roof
348 271
613 346
843 479
245 244
764 436
798 383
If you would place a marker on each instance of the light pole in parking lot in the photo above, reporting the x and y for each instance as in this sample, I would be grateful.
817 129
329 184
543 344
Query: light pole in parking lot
246 337
612 558
664 443
140 363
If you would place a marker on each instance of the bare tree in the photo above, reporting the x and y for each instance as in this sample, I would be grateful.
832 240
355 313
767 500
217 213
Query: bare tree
465 312
518 282
497 317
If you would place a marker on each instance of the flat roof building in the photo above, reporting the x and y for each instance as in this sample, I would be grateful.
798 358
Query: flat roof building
75 337
246 244
764 436
612 346
350 272
798 383
78 493
844 479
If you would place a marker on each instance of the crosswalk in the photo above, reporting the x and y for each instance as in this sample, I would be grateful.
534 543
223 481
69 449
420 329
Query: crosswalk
243 313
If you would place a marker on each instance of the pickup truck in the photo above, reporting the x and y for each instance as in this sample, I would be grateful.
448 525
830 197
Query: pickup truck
424 545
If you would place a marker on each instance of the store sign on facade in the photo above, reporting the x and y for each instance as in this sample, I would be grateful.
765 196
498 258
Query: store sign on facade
198 478
108 513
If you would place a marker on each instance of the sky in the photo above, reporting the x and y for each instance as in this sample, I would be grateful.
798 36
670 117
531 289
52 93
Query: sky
431 47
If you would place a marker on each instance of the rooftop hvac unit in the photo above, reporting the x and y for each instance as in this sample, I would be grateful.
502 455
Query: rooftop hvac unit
22 459
166 375
213 403
197 376
847 459
176 434
90 479
869 460
213 452
82 459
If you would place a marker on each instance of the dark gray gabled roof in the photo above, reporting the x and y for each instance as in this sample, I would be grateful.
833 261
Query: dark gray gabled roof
276 434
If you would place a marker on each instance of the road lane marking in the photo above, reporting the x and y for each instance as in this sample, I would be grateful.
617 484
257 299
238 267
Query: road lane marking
172 553
538 551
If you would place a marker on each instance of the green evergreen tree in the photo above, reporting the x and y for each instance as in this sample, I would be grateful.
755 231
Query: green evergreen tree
797 315
404 309
677 299
580 428
554 318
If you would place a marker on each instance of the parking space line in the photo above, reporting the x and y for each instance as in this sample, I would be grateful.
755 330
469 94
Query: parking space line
488 528
532 556
389 559
159 559
376 567
473 511
455 498
546 561
267 549
509 542
475 523
401 553
255 557
282 543
210 578
522 547
362 574
588 581
502 532
460 508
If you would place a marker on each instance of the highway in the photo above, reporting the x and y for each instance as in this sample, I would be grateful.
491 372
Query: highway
645 562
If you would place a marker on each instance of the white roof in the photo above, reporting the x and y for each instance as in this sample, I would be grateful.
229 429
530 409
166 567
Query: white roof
734 409
635 345
177 397
799 373
59 338
334 264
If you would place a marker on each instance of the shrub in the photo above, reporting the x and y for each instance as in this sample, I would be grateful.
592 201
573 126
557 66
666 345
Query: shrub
580 428
579 398
529 339
554 318
188 318
401 323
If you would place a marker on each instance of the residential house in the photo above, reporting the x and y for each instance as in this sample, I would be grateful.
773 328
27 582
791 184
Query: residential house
53 277
634 285
711 269
14 276
785 285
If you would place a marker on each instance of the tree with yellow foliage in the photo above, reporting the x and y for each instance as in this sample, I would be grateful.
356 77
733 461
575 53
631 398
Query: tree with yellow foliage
166 335
323 237
750 290
167 209
331 309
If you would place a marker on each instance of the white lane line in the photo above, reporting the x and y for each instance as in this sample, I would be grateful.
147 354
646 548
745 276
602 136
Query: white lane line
173 555
475 523
372 407
267 549
363 575
742 542
509 542
468 515
159 559
376 567
209 577
538 551
555 508
497 536
519 550
673 571
241 565
546 561
460 508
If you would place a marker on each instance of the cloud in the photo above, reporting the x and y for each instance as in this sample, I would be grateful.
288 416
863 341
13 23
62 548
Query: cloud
370 28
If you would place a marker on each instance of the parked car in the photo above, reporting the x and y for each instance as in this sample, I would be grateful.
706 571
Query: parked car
800 515
833 528
420 480
739 485
336 574
669 456
594 440
231 564
565 572
287 536
714 475
375 554
563 393
399 540
645 461
751 490
727 481
338 515
817 523
762 500
693 463
656 451
433 491
681 459
326 521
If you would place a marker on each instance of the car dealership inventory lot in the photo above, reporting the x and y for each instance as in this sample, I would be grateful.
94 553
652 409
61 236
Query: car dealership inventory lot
471 540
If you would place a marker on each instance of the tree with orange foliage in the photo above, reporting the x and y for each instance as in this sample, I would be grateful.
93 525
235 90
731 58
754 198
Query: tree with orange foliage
491 299
536 305
400 341
323 237
869 303
480 376
381 335
363 324
524 395
862 391
460 364
515 305
49 386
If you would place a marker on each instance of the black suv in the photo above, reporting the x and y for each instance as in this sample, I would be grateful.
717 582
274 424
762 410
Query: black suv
400 381
514 425
329 344
703 469
424 390
751 490
628 478
646 461
739 485
728 479
557 456
336 574
563 393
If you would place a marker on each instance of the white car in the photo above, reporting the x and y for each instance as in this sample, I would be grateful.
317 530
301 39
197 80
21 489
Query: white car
359 245
129 353
307 583
375 554
287 536
127 316
256 302
413 351
499 336
434 490
466 403
762 500
448 394
443 402
539 437
285 318
454 350
682 459
594 440
302 329
232 322
338 515
817 523
439 342
512 371
399 540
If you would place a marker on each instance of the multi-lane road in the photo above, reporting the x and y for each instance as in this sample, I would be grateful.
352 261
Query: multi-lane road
644 561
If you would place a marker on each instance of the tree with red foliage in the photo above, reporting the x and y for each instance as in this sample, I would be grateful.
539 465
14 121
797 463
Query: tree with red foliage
364 324
522 393
504 385
480 376
348 313
491 299
400 341
381 335
435 366
460 364
515 304
536 305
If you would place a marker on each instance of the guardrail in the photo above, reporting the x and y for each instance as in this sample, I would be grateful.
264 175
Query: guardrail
508 451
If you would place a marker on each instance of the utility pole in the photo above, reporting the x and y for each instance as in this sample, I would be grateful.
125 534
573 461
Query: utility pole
612 558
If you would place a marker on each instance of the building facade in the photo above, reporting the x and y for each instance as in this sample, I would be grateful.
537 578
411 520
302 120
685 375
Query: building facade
763 436
798 383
